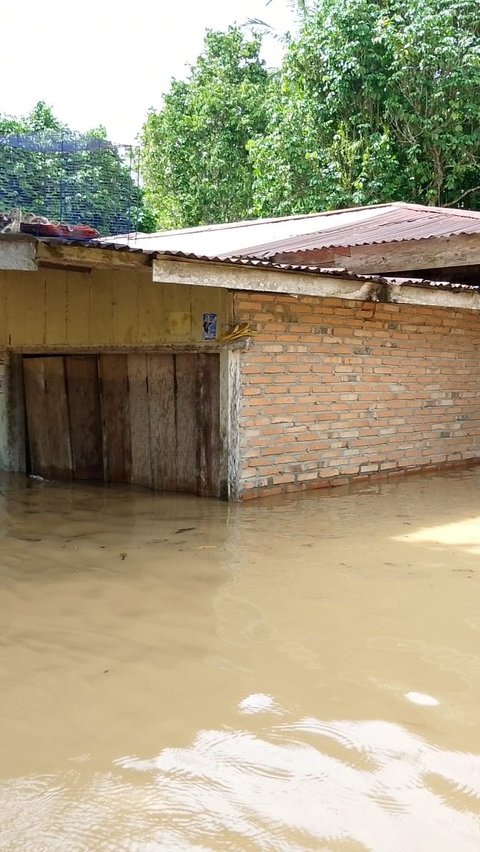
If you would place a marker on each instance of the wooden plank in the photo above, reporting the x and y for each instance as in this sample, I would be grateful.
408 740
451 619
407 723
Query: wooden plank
47 417
230 277
87 256
161 392
140 421
32 318
314 257
101 308
57 422
151 316
208 414
187 456
462 250
114 403
230 394
177 310
55 306
78 308
297 283
125 307
16 418
25 309
85 420
433 297
36 413
323 257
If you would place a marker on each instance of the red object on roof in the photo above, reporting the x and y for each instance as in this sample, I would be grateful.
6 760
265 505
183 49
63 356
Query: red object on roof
64 232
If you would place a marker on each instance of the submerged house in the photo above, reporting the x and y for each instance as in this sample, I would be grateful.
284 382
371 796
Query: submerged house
248 359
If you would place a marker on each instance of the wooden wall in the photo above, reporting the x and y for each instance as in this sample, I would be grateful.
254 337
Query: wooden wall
144 419
102 308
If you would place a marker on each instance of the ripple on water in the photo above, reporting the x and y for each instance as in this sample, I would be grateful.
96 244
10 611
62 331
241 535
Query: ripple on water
258 702
235 781
272 667
235 789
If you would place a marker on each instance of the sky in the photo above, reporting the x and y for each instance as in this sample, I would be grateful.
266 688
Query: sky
106 62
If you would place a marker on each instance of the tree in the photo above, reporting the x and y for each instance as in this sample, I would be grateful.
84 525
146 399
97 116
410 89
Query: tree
48 169
376 100
195 162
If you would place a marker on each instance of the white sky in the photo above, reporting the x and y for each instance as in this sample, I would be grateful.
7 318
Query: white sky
107 61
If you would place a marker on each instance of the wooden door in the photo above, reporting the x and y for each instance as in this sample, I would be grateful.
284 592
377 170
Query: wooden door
162 416
145 419
208 420
84 415
141 470
183 392
115 411
187 423
47 418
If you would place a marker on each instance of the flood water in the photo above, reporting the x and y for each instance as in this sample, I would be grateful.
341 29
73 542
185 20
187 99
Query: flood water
299 673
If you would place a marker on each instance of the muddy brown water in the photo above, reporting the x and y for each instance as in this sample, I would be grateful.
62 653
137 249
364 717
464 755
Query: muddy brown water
299 673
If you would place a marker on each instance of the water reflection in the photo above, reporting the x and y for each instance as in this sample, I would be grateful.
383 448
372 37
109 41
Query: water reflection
305 785
171 669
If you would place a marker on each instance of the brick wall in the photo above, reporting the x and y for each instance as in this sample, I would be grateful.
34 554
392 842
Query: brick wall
333 390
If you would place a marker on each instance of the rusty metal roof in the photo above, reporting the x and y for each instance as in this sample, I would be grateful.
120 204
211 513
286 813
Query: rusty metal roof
258 263
264 238
268 263
396 223
230 239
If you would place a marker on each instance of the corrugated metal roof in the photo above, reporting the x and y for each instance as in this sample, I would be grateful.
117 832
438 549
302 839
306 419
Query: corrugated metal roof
225 238
267 263
97 244
396 224
264 238
230 239
258 263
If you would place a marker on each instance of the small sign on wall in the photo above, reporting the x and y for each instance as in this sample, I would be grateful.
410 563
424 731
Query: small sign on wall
209 326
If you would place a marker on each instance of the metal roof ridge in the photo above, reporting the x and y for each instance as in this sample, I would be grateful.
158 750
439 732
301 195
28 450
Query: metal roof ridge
137 236
431 208
217 226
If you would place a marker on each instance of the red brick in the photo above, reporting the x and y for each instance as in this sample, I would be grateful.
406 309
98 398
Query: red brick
386 388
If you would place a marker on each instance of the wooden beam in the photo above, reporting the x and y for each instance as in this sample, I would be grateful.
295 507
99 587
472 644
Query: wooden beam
124 348
16 426
322 257
466 301
204 274
86 256
17 253
230 382
434 253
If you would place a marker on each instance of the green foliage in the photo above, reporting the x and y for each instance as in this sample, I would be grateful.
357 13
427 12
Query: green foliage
87 181
195 160
376 100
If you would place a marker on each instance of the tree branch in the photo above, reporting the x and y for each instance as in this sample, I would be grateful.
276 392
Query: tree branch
467 192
